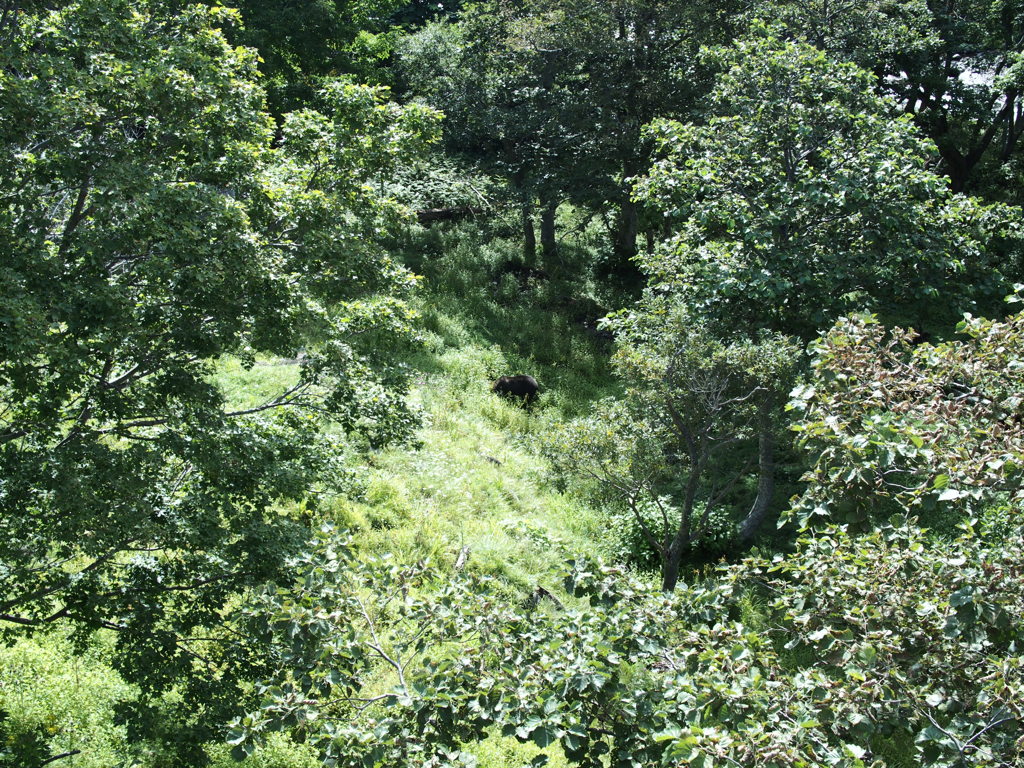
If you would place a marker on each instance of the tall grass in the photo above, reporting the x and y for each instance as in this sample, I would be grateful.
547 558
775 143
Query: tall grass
476 481
471 484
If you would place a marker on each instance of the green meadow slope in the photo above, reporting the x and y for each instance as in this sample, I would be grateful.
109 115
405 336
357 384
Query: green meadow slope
469 491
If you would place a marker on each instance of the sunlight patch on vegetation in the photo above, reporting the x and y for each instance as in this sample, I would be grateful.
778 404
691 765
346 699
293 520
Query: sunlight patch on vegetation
249 387
56 700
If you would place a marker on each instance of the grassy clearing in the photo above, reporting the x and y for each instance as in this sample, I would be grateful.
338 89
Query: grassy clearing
476 480
473 481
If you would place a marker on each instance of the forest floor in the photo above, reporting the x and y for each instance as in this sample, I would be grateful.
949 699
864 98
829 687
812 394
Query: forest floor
471 488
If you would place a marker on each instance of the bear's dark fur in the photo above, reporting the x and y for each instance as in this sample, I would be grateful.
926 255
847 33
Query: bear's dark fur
520 387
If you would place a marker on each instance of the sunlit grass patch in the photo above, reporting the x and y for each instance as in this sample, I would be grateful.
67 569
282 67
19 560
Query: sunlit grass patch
279 751
248 387
499 751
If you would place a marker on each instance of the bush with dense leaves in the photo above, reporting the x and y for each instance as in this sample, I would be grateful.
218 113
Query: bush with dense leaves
933 430
852 649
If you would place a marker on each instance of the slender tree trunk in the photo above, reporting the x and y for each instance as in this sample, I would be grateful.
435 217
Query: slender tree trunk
548 245
529 235
765 478
682 542
626 231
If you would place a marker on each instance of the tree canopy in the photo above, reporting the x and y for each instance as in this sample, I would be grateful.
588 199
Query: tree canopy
150 230
805 195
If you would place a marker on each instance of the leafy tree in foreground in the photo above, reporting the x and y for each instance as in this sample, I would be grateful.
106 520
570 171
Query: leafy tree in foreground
804 197
801 198
149 230
914 429
862 649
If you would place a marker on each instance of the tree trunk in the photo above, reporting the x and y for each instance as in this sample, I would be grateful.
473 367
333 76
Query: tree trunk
765 478
956 168
529 235
670 568
626 231
548 245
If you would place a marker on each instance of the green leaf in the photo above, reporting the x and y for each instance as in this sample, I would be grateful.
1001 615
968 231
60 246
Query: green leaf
854 751
672 733
544 736
867 655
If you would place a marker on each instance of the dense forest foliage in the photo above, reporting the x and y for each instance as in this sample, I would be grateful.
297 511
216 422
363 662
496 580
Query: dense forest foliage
261 502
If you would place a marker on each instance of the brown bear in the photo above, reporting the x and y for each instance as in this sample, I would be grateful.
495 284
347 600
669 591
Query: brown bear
520 387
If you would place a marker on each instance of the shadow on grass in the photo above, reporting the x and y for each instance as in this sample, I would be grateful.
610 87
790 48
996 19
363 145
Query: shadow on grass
486 313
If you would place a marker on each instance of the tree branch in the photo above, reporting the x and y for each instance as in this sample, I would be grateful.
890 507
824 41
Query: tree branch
61 756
